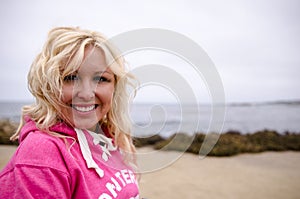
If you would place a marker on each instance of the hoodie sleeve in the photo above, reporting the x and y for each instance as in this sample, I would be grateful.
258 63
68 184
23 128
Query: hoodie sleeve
37 170
27 181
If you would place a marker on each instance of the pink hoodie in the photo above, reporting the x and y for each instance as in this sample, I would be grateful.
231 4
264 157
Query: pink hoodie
45 166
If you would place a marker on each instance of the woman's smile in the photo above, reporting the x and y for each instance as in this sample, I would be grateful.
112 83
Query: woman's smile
84 108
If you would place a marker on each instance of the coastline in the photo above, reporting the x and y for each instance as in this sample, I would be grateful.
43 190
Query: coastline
261 175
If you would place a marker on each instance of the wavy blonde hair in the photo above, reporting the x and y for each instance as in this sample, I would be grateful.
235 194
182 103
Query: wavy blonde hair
62 55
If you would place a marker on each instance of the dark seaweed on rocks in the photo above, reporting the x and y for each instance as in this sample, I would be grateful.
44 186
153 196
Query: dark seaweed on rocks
7 129
230 143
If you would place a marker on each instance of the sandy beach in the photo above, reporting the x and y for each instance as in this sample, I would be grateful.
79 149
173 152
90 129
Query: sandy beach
263 175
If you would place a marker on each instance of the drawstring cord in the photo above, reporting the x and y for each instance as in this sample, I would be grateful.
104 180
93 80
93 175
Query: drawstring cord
105 144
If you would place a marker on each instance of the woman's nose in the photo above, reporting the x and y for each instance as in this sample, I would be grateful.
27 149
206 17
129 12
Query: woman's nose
85 90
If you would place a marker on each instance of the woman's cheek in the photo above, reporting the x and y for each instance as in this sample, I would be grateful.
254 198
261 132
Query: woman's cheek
67 93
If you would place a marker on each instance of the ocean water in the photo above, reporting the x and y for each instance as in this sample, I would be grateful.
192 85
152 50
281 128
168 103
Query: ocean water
245 118
167 119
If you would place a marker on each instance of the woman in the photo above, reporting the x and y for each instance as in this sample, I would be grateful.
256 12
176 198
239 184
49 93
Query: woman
75 139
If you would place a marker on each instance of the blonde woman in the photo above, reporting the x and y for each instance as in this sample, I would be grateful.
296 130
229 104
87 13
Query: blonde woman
75 139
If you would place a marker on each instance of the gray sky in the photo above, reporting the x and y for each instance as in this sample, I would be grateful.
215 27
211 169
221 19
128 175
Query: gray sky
254 44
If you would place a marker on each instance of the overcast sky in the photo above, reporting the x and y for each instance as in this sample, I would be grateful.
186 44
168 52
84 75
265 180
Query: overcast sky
254 44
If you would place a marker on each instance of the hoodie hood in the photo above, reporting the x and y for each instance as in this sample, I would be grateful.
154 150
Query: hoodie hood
30 126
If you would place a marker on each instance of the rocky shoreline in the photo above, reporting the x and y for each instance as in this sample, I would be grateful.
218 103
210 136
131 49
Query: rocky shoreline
227 144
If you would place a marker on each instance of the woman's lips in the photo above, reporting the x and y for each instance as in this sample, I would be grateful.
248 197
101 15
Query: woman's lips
84 108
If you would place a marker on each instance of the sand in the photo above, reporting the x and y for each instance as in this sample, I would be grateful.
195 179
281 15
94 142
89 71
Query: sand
264 175
6 151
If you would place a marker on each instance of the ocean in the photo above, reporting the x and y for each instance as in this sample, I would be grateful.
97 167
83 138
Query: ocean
167 119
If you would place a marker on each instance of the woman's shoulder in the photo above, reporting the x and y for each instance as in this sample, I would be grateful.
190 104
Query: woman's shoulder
41 149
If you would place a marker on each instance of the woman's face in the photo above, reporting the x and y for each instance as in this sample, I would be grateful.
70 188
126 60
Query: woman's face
88 92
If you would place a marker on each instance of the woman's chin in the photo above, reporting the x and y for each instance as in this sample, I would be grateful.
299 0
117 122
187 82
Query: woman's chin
86 126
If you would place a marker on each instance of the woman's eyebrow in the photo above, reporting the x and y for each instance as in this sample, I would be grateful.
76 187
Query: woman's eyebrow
101 72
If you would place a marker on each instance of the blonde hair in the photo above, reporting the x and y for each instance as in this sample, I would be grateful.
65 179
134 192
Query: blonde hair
62 55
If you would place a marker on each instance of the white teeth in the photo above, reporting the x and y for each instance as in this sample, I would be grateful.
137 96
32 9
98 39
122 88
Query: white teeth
84 108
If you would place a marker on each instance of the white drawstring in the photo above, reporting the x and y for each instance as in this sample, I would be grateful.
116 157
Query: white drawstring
86 152
105 143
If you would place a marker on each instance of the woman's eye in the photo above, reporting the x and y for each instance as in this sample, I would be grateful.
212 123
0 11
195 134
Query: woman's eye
70 78
101 79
